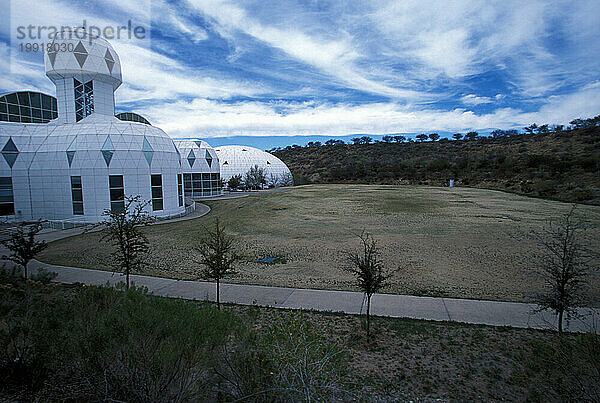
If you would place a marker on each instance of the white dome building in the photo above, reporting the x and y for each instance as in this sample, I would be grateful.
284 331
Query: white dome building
237 160
85 161
200 165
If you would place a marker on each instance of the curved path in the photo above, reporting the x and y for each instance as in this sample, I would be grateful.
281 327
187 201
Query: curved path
398 306
494 313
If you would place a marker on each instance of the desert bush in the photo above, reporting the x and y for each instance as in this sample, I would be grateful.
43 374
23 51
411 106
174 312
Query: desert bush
289 361
566 369
10 275
90 343
97 343
44 276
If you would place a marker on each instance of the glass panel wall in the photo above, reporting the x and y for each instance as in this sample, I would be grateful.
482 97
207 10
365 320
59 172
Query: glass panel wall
84 99
201 184
28 107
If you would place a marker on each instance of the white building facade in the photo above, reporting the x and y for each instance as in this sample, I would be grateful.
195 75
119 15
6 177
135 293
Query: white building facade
85 161
69 158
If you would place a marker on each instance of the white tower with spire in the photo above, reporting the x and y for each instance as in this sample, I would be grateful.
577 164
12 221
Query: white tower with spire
86 71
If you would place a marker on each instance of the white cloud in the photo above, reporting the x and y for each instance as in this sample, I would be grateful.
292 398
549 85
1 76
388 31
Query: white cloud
472 99
147 74
337 57
209 118
533 43
397 49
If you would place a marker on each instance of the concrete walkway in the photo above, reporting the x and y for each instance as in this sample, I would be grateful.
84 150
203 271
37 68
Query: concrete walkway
397 306
494 313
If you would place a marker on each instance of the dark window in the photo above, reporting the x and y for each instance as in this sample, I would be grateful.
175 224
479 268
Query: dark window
23 98
25 111
28 107
132 117
180 190
7 203
84 99
36 100
157 193
47 102
77 195
117 192
116 181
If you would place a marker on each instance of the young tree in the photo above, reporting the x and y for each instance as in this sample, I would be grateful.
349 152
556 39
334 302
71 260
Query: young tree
434 136
123 230
217 255
531 128
255 178
22 244
333 142
457 136
471 136
369 271
542 129
286 179
234 182
565 264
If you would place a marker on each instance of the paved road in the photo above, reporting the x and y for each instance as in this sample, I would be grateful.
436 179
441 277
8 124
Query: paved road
399 306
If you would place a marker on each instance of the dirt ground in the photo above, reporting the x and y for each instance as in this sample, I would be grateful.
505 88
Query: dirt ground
455 242
413 360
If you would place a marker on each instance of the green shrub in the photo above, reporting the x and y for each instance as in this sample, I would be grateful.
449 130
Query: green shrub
97 343
103 344
10 275
290 361
44 276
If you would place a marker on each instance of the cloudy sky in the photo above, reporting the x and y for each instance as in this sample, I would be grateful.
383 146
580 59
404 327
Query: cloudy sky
296 68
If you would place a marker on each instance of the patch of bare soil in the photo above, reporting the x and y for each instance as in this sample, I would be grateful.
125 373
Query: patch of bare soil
460 242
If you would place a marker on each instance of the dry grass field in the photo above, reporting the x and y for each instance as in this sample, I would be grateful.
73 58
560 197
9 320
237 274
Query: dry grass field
459 242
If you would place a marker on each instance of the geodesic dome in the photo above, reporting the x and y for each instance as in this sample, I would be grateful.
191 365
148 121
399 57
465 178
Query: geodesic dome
48 157
237 160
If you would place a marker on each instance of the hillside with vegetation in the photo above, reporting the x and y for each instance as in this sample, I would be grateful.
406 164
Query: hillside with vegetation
556 163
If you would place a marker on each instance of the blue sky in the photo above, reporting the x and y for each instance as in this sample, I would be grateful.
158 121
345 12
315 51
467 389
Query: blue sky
275 72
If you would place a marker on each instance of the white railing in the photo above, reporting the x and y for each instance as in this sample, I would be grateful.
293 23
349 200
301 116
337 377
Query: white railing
7 229
59 225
